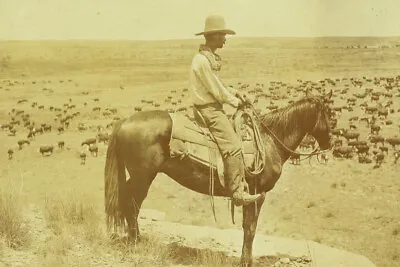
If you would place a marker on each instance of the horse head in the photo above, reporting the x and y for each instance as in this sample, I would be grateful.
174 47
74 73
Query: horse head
321 130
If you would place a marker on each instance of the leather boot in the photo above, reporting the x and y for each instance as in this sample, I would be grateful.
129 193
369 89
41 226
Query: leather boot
234 181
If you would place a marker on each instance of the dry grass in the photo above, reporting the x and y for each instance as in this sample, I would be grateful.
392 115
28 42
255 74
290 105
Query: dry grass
2 246
75 223
12 229
73 212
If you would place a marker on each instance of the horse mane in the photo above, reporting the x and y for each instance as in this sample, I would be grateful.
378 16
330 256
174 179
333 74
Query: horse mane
295 116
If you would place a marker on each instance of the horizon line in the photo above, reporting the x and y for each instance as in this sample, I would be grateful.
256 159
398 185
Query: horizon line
196 38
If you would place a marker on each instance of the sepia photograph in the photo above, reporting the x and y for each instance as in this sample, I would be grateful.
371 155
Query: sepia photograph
209 133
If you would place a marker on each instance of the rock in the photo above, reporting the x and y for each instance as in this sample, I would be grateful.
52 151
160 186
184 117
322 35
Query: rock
285 260
305 259
153 215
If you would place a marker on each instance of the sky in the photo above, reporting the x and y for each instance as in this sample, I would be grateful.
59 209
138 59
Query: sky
181 19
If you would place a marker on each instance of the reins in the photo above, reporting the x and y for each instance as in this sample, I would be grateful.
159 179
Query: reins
259 157
316 151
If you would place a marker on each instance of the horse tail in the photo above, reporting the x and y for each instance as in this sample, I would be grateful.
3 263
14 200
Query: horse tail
114 183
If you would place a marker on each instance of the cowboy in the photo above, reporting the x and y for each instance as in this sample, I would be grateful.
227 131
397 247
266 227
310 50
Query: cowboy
208 96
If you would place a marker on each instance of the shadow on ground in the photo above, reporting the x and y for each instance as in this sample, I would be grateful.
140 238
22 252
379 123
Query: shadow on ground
176 253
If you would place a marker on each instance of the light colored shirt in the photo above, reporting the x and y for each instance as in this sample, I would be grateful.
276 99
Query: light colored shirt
205 86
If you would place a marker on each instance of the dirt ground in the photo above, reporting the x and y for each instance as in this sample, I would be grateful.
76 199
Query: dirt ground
341 204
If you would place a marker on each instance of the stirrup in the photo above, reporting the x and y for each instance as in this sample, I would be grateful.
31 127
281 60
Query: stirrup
245 199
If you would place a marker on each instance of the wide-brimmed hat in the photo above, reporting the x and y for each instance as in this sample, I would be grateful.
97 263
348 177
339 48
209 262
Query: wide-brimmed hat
215 23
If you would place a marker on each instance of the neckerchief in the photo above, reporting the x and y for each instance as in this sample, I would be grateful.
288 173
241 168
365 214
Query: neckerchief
213 58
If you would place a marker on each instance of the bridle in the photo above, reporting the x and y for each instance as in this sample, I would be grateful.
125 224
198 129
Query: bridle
316 151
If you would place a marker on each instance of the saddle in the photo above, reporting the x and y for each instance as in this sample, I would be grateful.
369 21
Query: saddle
192 139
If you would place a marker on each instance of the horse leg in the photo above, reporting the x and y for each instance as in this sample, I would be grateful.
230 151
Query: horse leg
250 219
137 188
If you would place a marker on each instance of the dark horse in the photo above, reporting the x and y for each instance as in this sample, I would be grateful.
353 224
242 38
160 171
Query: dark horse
140 144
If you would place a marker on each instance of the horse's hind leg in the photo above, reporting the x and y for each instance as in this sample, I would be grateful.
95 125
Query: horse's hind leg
137 188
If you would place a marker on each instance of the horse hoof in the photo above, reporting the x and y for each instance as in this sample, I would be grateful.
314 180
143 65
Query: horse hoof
246 264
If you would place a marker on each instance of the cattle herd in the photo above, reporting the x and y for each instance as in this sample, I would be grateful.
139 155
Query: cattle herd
365 117
21 122
370 108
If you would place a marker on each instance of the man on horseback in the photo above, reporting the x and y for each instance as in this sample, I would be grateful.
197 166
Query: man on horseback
208 95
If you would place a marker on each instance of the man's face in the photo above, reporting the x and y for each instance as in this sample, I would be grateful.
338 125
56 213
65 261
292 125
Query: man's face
221 39
218 39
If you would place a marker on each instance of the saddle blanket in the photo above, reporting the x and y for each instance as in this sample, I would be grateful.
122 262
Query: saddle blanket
193 140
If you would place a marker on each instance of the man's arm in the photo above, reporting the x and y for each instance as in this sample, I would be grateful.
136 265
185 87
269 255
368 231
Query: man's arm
241 95
232 90
215 86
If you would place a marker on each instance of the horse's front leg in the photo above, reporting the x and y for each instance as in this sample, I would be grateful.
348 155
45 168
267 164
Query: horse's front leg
250 219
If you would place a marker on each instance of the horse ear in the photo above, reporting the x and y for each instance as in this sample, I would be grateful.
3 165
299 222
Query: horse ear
329 96
308 92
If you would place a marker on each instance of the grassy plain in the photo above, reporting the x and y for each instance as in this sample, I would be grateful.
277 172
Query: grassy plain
60 202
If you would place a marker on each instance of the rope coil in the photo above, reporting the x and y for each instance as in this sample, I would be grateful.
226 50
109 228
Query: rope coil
259 157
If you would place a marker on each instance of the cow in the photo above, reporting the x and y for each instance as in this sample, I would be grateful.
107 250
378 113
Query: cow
338 142
82 156
357 143
47 128
342 152
89 141
374 139
82 127
10 153
94 150
384 149
393 141
383 113
351 135
61 144
362 150
370 110
22 142
60 130
364 159
31 134
337 132
46 150
375 129
103 137
379 157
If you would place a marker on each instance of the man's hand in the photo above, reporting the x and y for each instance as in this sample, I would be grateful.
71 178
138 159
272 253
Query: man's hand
245 101
244 98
